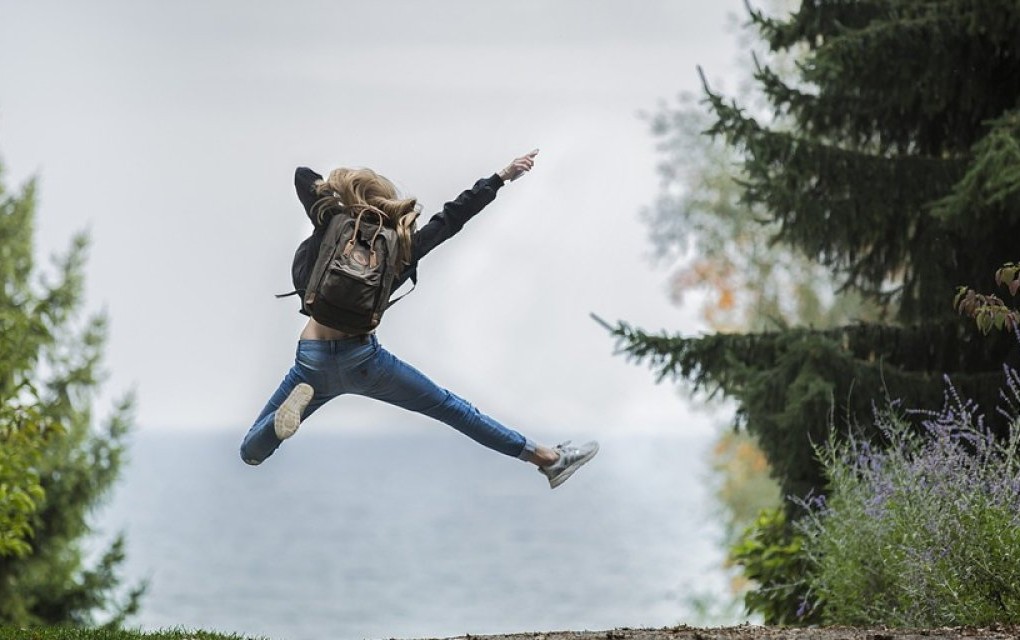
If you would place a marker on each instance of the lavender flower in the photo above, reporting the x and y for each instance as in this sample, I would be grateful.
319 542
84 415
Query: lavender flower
925 531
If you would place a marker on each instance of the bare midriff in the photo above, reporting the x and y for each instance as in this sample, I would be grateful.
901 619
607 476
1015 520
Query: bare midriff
315 331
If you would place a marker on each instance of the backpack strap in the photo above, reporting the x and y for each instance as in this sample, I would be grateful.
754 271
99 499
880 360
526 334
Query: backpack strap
394 257
373 260
393 301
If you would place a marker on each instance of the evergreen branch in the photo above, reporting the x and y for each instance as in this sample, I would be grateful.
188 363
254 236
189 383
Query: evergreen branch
788 384
914 104
63 468
859 213
815 22
992 180
915 101
926 349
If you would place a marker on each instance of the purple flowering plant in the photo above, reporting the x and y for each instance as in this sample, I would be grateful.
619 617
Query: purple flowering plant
924 531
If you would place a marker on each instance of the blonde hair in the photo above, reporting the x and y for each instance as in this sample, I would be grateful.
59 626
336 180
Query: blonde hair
360 190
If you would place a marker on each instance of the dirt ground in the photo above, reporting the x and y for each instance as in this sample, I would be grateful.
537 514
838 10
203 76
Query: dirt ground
749 632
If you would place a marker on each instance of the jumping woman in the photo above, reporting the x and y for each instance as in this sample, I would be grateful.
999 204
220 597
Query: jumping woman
330 363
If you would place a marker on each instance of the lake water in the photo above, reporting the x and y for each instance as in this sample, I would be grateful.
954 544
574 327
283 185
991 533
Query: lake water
348 536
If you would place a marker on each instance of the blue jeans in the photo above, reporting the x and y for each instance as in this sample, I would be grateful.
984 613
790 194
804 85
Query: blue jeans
361 366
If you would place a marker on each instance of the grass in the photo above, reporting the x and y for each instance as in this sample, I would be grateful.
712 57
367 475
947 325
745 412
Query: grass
83 633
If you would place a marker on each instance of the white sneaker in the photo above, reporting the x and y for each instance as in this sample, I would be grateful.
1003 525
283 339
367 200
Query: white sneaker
571 459
288 416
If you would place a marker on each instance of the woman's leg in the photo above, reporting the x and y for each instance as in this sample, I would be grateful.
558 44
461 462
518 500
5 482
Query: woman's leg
264 437
402 385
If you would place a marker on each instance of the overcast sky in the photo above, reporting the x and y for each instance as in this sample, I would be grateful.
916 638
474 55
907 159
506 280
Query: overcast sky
170 131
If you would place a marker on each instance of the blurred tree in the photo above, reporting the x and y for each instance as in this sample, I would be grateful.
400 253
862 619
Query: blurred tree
22 438
722 246
22 432
55 468
743 484
884 168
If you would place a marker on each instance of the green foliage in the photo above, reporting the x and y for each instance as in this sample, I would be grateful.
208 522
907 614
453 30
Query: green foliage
22 429
922 533
770 553
106 633
888 158
991 184
872 145
23 435
56 465
722 246
725 246
862 172
794 384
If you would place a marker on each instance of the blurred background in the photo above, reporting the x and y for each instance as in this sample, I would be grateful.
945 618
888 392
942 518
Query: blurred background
170 132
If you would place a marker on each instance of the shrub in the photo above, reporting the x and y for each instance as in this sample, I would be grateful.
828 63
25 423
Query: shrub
924 531
771 556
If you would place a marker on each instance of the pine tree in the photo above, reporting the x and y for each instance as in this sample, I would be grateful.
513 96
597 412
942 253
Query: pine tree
895 167
23 431
56 466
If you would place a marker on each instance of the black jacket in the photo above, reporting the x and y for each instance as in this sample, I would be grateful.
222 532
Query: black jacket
437 230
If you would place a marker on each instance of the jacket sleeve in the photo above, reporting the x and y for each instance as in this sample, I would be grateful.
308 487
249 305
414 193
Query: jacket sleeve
304 184
455 214
443 225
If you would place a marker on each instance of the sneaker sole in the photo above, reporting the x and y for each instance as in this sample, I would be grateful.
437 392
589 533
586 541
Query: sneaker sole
569 471
288 416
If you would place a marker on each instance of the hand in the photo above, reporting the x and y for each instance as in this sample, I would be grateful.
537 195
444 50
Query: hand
519 167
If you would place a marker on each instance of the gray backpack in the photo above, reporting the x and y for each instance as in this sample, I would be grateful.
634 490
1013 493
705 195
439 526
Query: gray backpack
353 276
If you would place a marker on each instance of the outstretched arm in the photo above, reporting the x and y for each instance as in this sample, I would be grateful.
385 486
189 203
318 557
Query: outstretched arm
455 213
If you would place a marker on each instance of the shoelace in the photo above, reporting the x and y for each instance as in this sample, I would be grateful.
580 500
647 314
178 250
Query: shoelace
566 451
